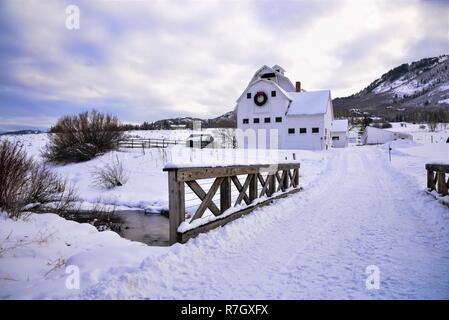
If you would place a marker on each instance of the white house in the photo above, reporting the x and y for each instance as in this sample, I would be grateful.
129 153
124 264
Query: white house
298 119
340 133
374 135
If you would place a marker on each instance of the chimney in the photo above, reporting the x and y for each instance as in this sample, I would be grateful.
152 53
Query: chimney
298 86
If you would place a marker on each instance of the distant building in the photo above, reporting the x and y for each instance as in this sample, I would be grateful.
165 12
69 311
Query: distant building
377 136
339 133
303 119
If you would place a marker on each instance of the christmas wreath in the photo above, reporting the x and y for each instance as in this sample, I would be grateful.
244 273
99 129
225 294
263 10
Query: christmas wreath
260 98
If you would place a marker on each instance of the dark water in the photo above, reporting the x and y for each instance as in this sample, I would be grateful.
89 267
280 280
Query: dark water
152 229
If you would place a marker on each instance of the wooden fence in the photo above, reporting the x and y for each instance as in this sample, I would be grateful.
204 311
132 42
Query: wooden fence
262 184
436 177
149 143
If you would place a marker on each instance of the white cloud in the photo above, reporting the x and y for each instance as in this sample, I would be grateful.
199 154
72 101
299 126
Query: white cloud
157 58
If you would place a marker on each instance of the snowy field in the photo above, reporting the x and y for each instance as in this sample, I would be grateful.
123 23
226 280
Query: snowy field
357 209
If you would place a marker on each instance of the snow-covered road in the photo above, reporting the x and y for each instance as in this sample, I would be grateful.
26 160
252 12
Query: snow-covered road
315 244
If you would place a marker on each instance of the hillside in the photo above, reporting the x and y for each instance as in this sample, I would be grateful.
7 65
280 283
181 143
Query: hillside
420 85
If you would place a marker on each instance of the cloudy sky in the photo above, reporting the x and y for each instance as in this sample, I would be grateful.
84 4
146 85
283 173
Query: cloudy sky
147 60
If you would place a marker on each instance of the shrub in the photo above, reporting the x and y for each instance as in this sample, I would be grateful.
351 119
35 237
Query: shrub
111 175
83 137
14 170
26 185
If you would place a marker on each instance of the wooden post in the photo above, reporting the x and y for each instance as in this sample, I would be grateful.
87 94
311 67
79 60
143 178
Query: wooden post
286 180
442 187
430 179
296 174
176 204
253 188
225 194
272 184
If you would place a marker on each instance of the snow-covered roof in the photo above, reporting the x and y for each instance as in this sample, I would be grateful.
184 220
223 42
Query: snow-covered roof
309 102
340 125
278 67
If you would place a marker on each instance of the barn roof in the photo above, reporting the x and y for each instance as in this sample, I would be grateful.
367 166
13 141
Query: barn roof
308 102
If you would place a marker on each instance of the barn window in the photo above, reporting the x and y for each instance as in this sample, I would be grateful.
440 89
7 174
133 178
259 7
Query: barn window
256 120
245 121
268 76
315 130
248 95
273 93
267 120
335 138
302 130
278 119
291 130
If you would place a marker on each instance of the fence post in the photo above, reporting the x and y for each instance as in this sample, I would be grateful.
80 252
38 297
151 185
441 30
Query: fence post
272 184
442 187
225 194
286 180
132 143
430 179
296 173
253 188
176 204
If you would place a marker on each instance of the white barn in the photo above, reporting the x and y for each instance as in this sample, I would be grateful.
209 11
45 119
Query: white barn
340 133
303 119
374 135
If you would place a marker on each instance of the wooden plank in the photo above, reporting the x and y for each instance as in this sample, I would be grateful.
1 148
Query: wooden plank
206 202
441 184
265 185
239 187
281 181
286 179
184 237
253 187
225 194
296 177
291 176
196 173
196 188
438 167
242 193
430 179
272 185
176 204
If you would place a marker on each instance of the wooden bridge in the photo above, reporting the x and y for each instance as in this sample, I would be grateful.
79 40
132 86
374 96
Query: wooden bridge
436 178
262 184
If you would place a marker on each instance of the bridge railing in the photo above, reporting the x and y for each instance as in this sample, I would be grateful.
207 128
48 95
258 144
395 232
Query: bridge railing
436 177
233 191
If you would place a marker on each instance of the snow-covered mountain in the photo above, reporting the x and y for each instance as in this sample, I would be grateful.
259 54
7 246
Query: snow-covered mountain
423 83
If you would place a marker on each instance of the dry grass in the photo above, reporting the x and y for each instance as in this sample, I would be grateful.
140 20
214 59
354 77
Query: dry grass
111 175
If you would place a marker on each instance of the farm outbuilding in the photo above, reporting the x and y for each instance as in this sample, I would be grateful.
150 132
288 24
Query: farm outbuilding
377 136
339 133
